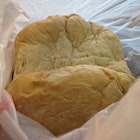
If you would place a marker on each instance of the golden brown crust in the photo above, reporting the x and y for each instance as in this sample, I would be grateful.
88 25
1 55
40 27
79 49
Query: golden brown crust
60 41
66 98
67 69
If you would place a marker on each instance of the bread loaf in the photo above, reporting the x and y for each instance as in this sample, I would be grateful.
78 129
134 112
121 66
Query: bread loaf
60 41
66 70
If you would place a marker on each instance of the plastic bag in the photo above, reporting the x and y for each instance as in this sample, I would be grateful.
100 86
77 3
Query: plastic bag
122 123
122 16
8 117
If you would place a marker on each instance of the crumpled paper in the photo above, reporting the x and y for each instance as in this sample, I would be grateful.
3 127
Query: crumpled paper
122 16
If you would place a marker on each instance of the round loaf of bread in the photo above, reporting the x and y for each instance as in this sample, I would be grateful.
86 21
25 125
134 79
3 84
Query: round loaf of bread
60 41
65 99
66 70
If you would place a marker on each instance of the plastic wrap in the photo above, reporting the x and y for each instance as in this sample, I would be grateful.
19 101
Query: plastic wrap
121 123
122 16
